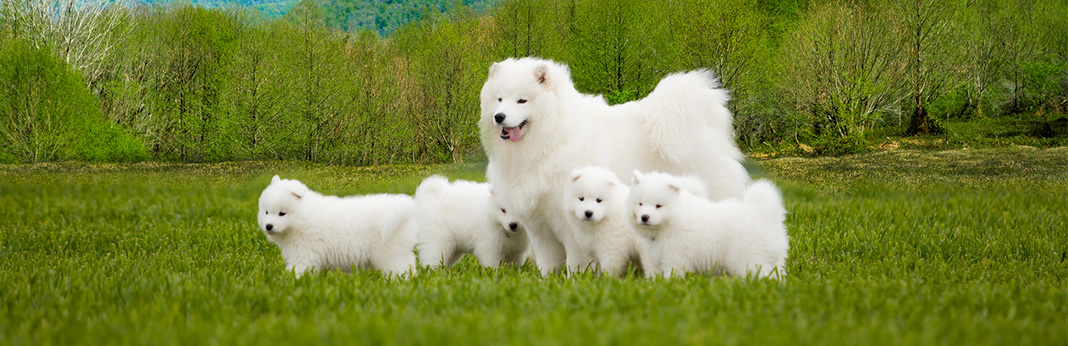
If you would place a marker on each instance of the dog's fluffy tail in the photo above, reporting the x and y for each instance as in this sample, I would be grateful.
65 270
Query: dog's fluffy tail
764 201
685 106
431 189
399 223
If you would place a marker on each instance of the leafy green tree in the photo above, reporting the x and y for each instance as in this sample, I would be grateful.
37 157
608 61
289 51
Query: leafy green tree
47 113
843 72
928 33
316 81
251 97
194 44
618 45
445 81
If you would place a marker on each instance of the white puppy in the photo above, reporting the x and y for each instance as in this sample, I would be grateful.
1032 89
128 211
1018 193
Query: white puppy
689 234
463 218
596 199
537 128
318 232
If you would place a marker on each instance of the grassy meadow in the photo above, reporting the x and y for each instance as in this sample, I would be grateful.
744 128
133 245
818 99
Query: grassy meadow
957 247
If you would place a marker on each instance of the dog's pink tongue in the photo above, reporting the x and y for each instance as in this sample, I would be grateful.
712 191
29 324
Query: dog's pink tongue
513 133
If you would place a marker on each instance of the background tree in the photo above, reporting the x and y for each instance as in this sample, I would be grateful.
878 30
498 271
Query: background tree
927 32
843 71
251 98
316 82
80 32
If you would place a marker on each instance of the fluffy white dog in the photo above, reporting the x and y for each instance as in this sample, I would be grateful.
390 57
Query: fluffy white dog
536 128
463 218
596 200
689 234
317 232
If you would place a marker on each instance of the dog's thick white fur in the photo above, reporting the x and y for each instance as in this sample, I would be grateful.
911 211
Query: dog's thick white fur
536 128
317 232
463 218
684 233
596 201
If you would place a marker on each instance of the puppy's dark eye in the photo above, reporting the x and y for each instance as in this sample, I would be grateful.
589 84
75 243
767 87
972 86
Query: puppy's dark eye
266 213
582 199
658 206
521 101
504 211
281 214
640 204
598 200
500 99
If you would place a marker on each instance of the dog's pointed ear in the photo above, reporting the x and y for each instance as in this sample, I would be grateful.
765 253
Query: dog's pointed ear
275 179
674 188
638 176
299 190
494 68
575 175
541 74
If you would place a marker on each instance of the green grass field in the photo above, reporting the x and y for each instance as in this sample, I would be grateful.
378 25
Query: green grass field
902 247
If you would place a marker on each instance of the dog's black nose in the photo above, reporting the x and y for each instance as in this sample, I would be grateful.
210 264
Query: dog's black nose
499 118
589 214
513 226
269 227
645 218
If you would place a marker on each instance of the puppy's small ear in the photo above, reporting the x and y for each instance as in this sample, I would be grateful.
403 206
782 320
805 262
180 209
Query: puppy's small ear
674 188
575 175
638 176
494 68
275 179
541 74
299 190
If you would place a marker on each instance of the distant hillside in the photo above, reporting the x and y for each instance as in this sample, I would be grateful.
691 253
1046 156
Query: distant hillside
268 8
382 16
385 16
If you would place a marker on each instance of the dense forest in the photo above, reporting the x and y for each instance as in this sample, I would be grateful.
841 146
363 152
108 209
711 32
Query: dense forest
81 80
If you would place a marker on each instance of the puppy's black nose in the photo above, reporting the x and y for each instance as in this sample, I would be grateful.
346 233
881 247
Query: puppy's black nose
499 118
589 214
645 218
269 227
513 226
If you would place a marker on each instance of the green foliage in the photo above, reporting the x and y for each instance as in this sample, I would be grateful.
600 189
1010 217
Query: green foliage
881 253
387 16
400 83
47 113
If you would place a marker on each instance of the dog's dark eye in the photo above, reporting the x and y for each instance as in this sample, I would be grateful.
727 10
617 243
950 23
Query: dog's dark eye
640 204
281 214
598 200
267 213
658 206
499 99
504 211
582 199
521 101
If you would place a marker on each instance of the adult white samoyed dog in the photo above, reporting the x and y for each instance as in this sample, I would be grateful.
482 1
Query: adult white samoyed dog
684 233
317 232
536 128
461 218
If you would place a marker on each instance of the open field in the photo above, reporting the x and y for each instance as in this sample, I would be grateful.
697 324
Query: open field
901 247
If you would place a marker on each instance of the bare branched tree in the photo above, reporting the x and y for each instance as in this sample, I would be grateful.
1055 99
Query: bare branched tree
81 32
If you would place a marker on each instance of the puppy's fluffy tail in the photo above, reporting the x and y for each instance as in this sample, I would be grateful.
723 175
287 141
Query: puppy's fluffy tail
685 106
431 189
764 201
399 223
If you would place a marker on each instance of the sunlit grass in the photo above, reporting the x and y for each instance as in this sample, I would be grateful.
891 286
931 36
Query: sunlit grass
956 247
